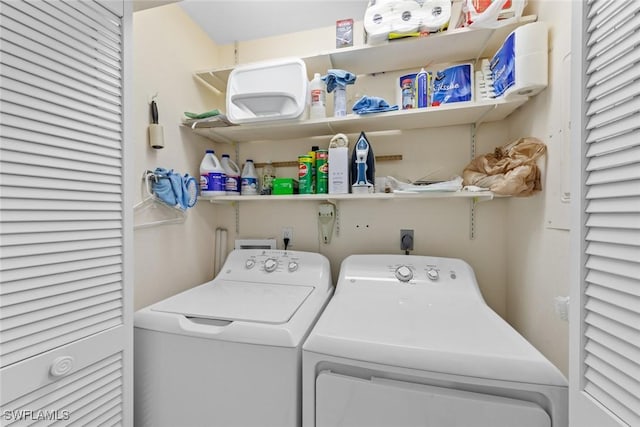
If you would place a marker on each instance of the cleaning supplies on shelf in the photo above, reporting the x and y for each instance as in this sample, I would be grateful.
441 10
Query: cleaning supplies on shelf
317 98
423 85
212 176
372 104
249 179
231 169
268 175
337 81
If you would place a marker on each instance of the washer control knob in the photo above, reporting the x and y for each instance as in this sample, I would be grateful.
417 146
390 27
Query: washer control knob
249 264
293 266
432 274
404 273
270 265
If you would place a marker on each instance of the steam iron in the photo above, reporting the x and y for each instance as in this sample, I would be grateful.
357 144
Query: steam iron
362 166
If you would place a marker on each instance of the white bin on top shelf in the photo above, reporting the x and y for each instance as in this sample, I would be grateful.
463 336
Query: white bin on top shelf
265 91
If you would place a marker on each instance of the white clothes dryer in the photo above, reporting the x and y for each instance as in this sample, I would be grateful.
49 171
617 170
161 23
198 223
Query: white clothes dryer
229 352
409 341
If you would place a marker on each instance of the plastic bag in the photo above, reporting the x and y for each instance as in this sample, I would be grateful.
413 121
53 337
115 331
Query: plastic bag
511 170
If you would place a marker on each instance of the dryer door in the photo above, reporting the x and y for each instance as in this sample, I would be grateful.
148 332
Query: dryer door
343 401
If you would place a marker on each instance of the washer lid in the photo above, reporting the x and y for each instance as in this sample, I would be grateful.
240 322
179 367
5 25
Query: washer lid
408 329
238 301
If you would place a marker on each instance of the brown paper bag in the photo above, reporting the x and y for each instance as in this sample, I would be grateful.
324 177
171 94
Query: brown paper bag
511 170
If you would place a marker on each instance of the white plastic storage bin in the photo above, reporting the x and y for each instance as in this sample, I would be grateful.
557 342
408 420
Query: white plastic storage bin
269 90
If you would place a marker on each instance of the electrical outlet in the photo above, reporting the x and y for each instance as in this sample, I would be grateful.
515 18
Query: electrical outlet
406 240
287 233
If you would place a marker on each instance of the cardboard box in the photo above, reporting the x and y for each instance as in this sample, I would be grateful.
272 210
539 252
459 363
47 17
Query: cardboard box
283 186
339 170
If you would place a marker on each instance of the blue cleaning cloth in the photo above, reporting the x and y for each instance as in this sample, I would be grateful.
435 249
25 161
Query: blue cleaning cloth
174 189
372 104
336 77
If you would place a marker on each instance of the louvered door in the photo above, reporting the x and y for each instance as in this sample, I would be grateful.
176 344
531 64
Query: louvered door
605 341
65 297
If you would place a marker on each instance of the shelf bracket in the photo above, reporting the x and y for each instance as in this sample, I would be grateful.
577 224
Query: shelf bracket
472 219
472 213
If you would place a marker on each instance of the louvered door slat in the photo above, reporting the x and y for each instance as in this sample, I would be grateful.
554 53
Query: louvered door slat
623 173
621 65
58 164
64 225
19 140
45 238
45 71
622 252
615 359
613 84
614 97
628 124
50 290
57 247
625 18
614 267
32 283
626 107
50 127
81 28
618 298
77 55
622 237
611 160
618 283
622 204
609 127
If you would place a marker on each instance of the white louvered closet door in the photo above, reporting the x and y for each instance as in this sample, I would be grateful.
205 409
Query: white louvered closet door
65 226
605 322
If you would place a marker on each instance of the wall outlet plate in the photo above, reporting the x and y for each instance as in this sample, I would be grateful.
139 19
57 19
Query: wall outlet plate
406 240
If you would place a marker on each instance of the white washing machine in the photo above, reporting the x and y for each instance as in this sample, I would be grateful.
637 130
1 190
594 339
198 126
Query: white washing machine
409 341
228 352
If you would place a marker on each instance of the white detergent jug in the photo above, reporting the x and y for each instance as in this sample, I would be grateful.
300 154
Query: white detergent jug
249 180
212 176
233 175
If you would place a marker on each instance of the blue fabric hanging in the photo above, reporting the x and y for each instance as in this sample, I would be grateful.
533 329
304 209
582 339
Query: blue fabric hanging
174 189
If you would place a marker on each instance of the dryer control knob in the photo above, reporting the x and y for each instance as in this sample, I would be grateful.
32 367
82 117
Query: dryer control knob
293 266
249 264
270 265
432 274
404 273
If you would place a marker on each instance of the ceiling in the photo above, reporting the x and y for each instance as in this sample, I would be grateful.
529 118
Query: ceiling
226 21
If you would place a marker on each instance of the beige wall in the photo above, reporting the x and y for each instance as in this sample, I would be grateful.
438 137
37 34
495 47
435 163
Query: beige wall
538 241
168 47
520 262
